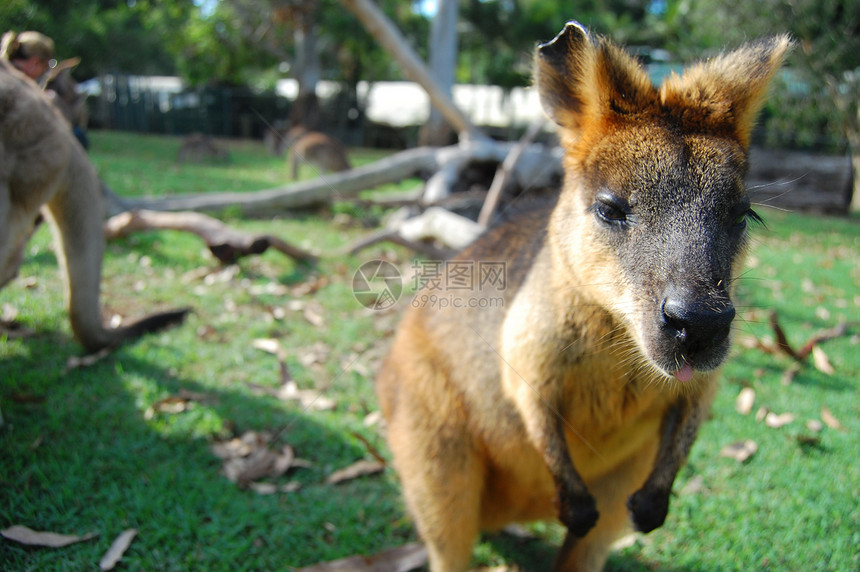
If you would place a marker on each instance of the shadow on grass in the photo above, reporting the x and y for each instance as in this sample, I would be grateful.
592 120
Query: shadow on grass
79 456
537 555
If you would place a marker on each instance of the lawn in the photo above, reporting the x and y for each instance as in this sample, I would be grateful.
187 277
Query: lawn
103 448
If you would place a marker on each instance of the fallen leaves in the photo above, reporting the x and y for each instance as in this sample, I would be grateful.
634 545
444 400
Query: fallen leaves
740 451
745 400
10 327
77 362
400 559
175 404
25 535
775 421
117 549
358 469
821 361
781 345
30 537
289 390
743 450
829 419
250 457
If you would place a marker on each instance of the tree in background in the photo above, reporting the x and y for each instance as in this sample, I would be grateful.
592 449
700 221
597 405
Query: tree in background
443 64
105 34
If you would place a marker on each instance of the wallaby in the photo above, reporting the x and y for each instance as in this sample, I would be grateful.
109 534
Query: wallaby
321 150
44 169
199 148
579 397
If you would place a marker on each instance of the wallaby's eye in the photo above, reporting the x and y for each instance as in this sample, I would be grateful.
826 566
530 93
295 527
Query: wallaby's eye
611 209
743 218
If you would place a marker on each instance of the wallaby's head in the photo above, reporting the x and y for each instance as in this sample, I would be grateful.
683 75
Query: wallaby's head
652 221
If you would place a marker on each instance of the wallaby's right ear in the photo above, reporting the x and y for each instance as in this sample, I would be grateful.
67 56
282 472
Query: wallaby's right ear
581 79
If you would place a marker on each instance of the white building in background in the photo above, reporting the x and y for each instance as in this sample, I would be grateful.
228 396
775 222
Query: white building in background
404 103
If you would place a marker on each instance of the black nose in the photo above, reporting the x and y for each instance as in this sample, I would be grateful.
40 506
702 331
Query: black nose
697 324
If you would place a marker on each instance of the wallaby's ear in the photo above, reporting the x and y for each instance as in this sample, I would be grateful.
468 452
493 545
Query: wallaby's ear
581 79
724 94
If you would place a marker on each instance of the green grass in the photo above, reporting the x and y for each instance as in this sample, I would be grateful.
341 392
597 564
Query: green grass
79 454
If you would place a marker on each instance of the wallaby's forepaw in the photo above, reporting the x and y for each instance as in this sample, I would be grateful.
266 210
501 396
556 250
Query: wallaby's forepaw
577 512
648 510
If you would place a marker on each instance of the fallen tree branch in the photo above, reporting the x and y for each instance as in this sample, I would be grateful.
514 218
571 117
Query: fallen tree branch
304 193
225 243
450 229
391 235
505 173
446 162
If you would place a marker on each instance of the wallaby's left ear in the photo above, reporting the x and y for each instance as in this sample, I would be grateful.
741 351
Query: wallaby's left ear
726 93
582 79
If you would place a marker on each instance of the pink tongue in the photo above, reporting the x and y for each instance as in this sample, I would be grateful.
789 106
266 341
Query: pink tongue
685 373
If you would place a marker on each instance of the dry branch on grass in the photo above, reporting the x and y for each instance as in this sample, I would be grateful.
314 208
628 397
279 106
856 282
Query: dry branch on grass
225 243
781 345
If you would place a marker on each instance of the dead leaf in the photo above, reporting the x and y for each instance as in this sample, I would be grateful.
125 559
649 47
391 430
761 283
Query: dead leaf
76 362
745 400
775 421
310 286
272 346
829 419
309 398
740 451
372 418
790 374
250 457
271 488
8 312
315 354
821 361
694 486
814 425
272 288
25 535
625 541
117 549
761 414
175 404
240 446
400 559
313 313
358 469
518 531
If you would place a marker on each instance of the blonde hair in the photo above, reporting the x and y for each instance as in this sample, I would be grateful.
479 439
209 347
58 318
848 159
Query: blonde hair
27 45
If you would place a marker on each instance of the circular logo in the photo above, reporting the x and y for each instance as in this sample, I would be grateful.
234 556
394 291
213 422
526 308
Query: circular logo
377 284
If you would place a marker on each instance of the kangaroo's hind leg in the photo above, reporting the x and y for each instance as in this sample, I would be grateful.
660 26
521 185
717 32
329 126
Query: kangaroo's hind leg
442 477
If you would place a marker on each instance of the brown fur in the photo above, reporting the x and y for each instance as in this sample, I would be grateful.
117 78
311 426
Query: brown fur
44 169
200 148
580 396
320 150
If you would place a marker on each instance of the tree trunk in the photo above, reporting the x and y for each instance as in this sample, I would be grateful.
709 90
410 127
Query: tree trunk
443 61
308 70
381 28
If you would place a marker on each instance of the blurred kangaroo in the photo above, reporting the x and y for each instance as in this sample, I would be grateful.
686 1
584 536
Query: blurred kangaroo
44 169
580 396
321 150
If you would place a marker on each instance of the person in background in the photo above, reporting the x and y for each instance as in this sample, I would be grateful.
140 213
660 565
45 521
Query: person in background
33 54
30 52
